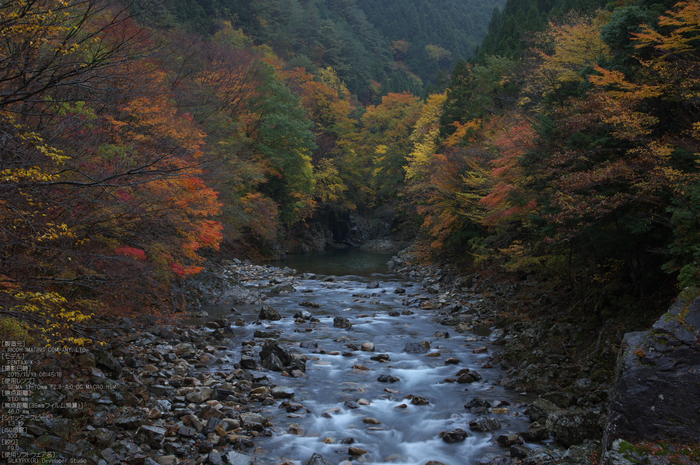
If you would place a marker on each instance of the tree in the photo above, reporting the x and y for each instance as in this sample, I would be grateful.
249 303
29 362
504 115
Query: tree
99 172
386 142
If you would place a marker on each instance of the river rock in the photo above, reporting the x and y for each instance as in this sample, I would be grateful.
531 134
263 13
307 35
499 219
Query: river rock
186 431
342 322
540 409
151 435
356 451
543 456
236 458
318 459
388 379
508 440
127 422
215 458
465 376
352 404
269 313
273 362
419 400
199 395
494 459
572 427
656 394
484 424
457 320
478 406
456 435
282 392
304 315
266 334
248 362
87 360
283 289
275 358
535 433
105 360
560 399
417 347
367 347
519 452
249 418
297 429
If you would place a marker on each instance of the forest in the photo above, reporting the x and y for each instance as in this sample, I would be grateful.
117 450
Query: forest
138 139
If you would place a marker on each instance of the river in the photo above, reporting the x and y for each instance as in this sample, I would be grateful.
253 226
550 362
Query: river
344 404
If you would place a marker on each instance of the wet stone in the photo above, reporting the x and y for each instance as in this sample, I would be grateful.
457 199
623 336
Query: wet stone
484 424
356 451
310 304
318 459
494 459
297 429
519 452
455 435
291 406
351 404
417 347
236 458
536 433
248 362
388 379
341 322
508 440
269 313
282 392
267 334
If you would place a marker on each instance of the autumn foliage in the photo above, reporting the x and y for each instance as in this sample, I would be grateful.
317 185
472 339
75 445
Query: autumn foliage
130 153
589 174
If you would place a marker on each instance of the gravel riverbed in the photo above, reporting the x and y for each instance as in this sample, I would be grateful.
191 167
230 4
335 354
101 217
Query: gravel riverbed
176 394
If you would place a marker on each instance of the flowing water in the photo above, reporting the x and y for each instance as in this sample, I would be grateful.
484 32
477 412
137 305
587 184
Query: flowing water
340 390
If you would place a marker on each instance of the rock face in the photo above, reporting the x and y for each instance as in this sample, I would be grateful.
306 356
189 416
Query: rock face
657 384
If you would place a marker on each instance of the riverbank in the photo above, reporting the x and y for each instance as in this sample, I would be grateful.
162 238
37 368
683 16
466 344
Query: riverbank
553 348
176 394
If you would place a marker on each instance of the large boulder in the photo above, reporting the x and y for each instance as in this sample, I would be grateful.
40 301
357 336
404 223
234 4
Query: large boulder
656 394
573 427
